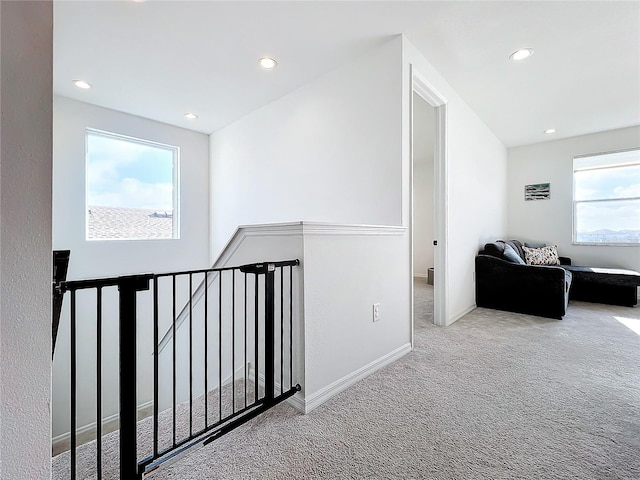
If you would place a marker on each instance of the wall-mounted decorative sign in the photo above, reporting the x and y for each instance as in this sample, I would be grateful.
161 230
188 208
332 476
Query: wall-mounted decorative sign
537 191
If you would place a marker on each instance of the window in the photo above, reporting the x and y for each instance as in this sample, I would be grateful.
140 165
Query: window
606 198
132 189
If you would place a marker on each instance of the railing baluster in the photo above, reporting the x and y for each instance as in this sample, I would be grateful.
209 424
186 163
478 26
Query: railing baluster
206 349
73 385
246 368
190 355
256 341
220 347
291 326
233 341
99 382
281 330
173 337
155 367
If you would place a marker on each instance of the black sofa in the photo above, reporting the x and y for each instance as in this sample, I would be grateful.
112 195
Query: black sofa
613 286
502 284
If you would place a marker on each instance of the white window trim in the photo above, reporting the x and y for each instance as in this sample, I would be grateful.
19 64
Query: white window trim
576 202
176 186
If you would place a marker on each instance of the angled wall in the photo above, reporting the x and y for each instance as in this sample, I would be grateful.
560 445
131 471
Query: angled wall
326 152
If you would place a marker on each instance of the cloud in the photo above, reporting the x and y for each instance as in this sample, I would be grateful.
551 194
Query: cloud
620 215
124 173
627 192
132 193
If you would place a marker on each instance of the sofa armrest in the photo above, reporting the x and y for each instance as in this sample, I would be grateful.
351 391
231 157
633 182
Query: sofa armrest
565 260
533 289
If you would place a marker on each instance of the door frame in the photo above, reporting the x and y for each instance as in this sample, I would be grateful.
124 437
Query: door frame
441 207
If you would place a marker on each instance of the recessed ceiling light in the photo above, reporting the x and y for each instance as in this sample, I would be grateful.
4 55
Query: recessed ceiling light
267 63
190 116
521 54
549 131
82 84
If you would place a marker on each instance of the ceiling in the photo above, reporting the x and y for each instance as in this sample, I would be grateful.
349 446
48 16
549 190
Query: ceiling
159 59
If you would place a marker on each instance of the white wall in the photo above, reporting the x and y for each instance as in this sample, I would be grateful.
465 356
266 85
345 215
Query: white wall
26 31
90 259
551 221
476 203
424 132
330 151
346 270
327 152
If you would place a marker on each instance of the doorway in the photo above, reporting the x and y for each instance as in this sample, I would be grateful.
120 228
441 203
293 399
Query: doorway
433 106
423 231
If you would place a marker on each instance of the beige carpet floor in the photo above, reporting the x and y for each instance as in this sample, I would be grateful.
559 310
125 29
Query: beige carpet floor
494 396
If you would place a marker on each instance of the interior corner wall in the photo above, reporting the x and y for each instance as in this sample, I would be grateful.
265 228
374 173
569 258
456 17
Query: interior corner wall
551 221
26 78
105 258
327 152
476 203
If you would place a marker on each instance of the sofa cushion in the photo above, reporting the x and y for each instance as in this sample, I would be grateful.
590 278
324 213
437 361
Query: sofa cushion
517 246
495 249
535 244
511 255
542 256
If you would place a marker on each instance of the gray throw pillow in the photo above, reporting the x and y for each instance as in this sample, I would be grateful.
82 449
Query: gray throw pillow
511 255
534 244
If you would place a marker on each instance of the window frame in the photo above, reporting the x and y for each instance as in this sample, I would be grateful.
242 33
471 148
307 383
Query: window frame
575 203
175 191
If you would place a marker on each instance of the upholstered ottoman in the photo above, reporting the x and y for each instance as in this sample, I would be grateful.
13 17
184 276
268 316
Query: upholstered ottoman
604 285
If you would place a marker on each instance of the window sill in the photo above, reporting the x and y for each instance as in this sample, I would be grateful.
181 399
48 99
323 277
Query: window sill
603 244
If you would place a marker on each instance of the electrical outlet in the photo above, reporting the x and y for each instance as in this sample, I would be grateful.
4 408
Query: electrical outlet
376 312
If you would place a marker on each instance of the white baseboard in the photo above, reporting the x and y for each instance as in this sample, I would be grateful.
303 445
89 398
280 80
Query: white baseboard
419 275
306 405
91 427
65 437
318 398
295 401
462 314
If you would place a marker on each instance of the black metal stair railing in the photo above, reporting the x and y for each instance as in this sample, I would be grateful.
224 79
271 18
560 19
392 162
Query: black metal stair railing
252 312
60 266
